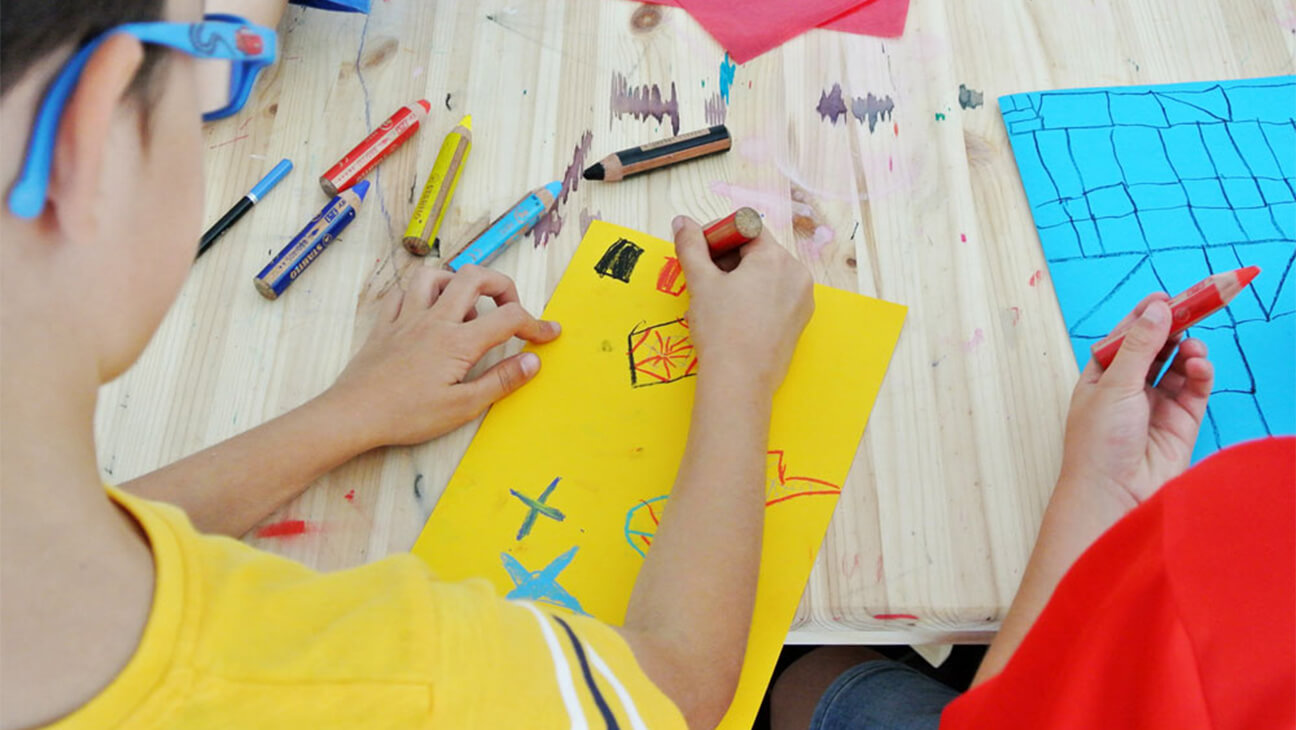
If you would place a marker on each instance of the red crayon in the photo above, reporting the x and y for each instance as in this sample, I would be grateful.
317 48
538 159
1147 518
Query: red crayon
372 149
1198 302
732 231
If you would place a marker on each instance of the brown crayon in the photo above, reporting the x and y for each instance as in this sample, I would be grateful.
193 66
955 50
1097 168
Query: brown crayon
623 164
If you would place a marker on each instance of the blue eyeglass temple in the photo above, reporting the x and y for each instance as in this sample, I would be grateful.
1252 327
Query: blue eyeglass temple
220 36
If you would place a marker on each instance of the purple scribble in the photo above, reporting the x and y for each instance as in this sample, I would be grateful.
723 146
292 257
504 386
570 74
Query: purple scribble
551 224
831 104
872 108
586 218
643 102
716 109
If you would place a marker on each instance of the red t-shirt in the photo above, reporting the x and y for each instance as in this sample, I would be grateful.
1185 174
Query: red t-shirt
1183 615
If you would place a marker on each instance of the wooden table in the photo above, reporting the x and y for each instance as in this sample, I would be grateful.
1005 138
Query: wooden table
921 206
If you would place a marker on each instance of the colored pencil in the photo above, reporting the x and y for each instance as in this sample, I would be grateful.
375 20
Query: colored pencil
506 229
244 204
307 245
420 235
623 164
732 231
389 135
1196 303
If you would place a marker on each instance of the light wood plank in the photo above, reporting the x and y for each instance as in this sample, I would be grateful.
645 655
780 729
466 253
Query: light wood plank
942 505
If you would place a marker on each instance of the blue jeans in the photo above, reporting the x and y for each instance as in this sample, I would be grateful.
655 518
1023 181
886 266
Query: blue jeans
882 695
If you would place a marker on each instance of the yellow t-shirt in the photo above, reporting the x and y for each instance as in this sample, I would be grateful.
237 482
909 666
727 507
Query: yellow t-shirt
240 638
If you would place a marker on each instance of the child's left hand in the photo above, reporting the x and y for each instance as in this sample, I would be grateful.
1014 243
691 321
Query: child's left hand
406 384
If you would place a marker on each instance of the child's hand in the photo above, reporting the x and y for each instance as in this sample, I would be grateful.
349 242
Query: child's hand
744 322
406 385
1124 435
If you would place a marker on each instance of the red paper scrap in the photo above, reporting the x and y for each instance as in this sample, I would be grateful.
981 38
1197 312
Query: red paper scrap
767 24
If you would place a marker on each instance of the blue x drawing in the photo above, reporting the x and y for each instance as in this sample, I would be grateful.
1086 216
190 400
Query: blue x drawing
538 507
542 586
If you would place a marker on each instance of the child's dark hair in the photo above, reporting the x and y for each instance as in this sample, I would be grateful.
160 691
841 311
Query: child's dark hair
32 29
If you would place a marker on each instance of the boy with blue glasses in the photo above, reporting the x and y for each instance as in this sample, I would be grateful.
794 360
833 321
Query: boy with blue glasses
117 612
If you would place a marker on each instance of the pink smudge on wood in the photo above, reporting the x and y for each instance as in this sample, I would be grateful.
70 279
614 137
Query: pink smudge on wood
978 337
849 570
1036 277
814 246
349 496
895 616
963 237
776 208
228 142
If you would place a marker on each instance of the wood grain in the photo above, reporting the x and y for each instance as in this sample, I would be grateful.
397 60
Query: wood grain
921 206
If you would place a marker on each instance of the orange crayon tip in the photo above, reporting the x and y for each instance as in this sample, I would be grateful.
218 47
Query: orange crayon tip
1246 275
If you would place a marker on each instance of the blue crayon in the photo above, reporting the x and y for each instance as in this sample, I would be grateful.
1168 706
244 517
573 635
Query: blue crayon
306 246
507 228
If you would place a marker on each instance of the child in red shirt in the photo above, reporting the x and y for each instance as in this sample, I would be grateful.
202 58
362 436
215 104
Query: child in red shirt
1178 610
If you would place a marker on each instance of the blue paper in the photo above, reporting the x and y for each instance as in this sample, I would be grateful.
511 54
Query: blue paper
344 6
1152 188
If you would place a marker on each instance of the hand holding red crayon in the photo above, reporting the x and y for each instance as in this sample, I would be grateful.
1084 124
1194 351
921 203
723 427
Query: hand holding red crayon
1125 436
744 319
1188 308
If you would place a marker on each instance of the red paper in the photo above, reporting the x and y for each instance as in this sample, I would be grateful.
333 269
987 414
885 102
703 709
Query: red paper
752 28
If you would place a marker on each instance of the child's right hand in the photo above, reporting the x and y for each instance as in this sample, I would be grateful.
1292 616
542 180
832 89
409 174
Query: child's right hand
745 322
1123 434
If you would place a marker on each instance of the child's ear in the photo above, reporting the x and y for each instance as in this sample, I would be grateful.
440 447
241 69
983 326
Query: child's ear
77 179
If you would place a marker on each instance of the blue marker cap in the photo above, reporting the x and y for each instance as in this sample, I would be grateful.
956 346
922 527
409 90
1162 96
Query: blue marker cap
271 179
361 188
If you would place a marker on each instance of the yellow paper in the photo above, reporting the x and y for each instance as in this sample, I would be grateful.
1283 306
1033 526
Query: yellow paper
597 440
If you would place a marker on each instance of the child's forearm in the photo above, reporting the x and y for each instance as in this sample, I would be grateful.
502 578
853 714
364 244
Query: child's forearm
230 487
691 607
1077 515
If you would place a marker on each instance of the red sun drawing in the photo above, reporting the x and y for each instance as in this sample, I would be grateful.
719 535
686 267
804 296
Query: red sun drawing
661 353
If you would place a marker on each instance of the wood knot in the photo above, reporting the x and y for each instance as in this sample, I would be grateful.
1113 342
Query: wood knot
380 53
803 226
645 18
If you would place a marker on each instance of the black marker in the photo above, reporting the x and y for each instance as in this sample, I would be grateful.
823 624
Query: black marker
244 204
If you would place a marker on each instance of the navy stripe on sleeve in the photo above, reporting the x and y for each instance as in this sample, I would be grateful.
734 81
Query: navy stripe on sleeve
602 705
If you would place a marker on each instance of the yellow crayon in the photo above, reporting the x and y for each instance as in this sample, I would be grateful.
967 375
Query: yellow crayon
420 235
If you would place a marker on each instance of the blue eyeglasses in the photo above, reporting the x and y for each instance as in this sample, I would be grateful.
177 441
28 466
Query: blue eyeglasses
226 46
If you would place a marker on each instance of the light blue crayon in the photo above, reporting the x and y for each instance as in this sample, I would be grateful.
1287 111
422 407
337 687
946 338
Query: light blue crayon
508 228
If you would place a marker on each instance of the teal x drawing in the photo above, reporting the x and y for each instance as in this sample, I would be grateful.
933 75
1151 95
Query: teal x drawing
538 507
542 586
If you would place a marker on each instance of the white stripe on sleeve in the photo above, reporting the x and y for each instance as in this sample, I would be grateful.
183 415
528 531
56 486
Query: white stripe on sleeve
627 702
563 671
